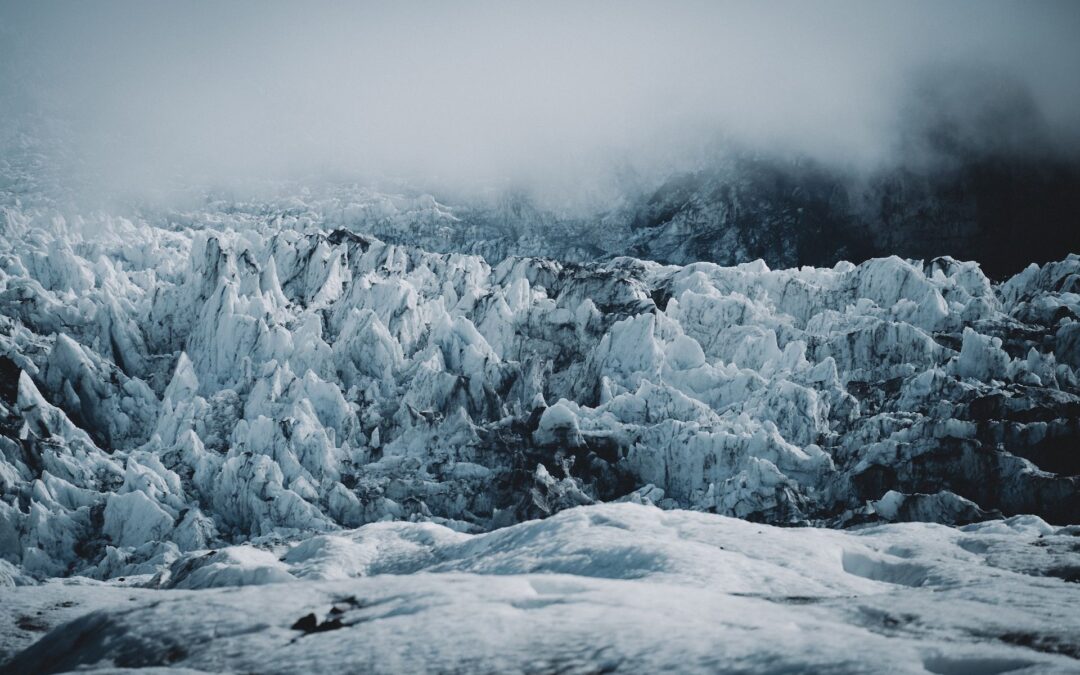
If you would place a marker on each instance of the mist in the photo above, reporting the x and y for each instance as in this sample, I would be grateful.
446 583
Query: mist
560 97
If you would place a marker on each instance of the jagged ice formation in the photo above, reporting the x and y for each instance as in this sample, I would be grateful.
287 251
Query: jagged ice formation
172 389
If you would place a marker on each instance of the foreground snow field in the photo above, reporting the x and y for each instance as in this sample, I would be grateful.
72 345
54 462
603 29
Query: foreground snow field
414 450
616 587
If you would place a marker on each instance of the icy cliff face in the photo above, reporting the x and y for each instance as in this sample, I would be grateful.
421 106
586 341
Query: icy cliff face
176 387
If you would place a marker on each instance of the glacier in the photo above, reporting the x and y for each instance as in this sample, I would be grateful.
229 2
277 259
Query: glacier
524 464
604 588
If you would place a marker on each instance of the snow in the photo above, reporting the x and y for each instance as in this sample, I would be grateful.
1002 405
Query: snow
618 586
558 424
233 566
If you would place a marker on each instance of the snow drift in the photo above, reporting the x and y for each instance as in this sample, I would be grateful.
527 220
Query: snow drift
605 588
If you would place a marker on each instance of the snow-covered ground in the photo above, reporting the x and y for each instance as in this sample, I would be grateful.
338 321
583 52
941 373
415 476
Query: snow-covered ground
604 588
425 441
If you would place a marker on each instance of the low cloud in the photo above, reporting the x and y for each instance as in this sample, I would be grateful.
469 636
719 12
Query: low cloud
560 96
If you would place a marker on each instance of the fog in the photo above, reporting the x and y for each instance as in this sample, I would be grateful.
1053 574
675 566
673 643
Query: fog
553 95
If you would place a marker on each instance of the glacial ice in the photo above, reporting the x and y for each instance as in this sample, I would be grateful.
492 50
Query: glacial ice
192 403
199 386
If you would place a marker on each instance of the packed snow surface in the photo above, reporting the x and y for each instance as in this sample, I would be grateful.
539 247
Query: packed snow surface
603 588
191 403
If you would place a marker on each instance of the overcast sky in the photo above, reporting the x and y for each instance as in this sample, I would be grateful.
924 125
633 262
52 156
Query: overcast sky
546 91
